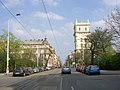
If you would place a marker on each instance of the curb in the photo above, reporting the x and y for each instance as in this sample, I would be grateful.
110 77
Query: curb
4 74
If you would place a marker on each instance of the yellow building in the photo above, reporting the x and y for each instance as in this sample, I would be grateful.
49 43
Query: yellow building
44 52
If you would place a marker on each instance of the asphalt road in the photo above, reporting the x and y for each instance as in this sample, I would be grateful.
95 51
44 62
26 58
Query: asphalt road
54 80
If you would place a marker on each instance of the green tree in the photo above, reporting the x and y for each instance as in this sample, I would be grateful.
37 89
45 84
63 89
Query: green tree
101 42
14 49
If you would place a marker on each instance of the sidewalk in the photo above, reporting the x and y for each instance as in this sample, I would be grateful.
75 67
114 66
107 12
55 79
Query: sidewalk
110 72
4 74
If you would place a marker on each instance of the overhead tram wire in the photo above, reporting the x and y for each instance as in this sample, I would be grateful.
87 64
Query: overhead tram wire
16 19
51 26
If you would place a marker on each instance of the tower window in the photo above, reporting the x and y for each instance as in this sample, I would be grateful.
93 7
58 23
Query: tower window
85 29
85 39
85 45
81 39
79 29
81 45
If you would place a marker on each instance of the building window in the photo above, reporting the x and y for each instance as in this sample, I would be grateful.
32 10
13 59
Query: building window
81 45
79 29
81 39
85 40
85 29
85 45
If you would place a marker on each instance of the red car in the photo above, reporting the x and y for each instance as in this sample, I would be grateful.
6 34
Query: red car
78 68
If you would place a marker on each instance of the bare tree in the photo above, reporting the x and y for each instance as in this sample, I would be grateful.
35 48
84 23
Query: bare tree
113 22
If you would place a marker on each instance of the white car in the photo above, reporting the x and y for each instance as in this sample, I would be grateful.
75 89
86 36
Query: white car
65 70
48 68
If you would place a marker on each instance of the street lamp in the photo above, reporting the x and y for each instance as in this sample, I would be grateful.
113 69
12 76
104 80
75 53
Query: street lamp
8 39
7 67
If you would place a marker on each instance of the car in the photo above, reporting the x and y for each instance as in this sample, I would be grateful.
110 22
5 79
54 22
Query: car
43 68
48 68
92 69
35 69
83 69
20 71
30 70
78 68
66 70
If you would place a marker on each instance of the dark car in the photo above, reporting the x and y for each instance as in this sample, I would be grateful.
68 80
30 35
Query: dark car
20 71
92 69
65 70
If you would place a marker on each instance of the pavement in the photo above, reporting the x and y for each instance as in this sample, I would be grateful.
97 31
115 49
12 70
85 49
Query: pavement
54 80
4 74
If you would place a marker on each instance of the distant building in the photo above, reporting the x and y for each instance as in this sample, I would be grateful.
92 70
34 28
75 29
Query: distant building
81 30
43 50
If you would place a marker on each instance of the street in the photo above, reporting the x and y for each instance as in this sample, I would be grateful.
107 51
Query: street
54 80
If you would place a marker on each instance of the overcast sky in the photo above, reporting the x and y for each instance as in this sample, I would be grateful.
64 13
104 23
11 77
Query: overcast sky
62 15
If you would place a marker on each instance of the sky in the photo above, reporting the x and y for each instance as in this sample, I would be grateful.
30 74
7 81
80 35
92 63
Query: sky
62 15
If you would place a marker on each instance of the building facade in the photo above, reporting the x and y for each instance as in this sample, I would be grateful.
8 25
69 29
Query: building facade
44 52
81 31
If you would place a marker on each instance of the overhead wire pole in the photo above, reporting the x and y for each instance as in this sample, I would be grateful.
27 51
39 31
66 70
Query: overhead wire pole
50 26
8 58
8 45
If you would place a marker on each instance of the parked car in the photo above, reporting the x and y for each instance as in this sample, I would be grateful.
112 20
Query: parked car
20 71
78 68
65 70
83 69
30 70
48 68
35 69
92 69
42 68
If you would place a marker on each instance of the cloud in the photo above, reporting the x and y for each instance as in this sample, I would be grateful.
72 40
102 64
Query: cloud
68 28
47 2
69 25
51 2
18 30
98 11
12 3
100 23
34 2
34 33
51 15
111 2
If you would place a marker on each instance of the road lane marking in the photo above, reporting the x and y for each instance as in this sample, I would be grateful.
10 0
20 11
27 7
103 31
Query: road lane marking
61 84
72 88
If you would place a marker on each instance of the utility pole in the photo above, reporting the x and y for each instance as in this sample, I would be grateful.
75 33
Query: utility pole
37 55
8 58
8 46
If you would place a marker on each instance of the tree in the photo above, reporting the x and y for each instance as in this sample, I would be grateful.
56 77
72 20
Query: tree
113 22
14 50
101 42
78 57
87 56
